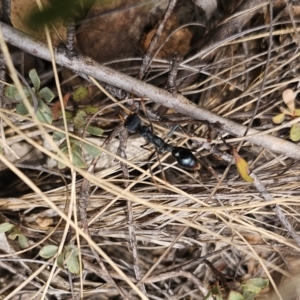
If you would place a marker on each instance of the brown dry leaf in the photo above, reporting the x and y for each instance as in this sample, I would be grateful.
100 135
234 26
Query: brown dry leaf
114 29
44 222
57 107
21 9
253 238
180 39
285 111
289 99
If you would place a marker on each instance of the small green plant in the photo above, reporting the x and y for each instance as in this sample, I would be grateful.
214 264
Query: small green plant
16 233
67 258
248 290
79 121
43 96
288 97
45 115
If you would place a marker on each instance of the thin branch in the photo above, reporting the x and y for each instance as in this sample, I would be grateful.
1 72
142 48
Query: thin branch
70 42
134 249
155 39
86 66
171 84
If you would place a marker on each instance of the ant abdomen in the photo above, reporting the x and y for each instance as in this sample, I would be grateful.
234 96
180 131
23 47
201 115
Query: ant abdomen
185 158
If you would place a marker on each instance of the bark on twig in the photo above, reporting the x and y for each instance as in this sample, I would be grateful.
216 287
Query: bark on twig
86 66
149 53
171 84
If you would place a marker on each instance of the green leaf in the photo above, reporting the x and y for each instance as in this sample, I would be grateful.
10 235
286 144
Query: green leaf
61 259
72 248
18 97
21 109
76 153
233 295
278 119
35 79
46 94
77 157
64 147
80 119
57 136
4 227
68 115
252 287
23 242
48 251
44 113
91 150
295 132
11 92
90 110
75 142
94 130
80 93
258 282
297 112
216 292
72 264
208 296
71 254
13 235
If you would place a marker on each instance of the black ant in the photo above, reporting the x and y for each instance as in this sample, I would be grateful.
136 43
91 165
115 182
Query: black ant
184 157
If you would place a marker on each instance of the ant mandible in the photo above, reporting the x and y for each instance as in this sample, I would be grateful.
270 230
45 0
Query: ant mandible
185 158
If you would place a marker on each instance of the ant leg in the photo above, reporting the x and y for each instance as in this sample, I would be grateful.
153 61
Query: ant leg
174 128
160 167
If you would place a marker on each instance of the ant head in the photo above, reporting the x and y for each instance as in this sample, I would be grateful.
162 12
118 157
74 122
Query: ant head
185 158
132 123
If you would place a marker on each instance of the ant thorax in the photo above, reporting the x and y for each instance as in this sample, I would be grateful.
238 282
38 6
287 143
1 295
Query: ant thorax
150 137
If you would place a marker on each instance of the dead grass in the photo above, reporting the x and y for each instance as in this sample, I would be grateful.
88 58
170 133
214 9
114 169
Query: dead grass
164 226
